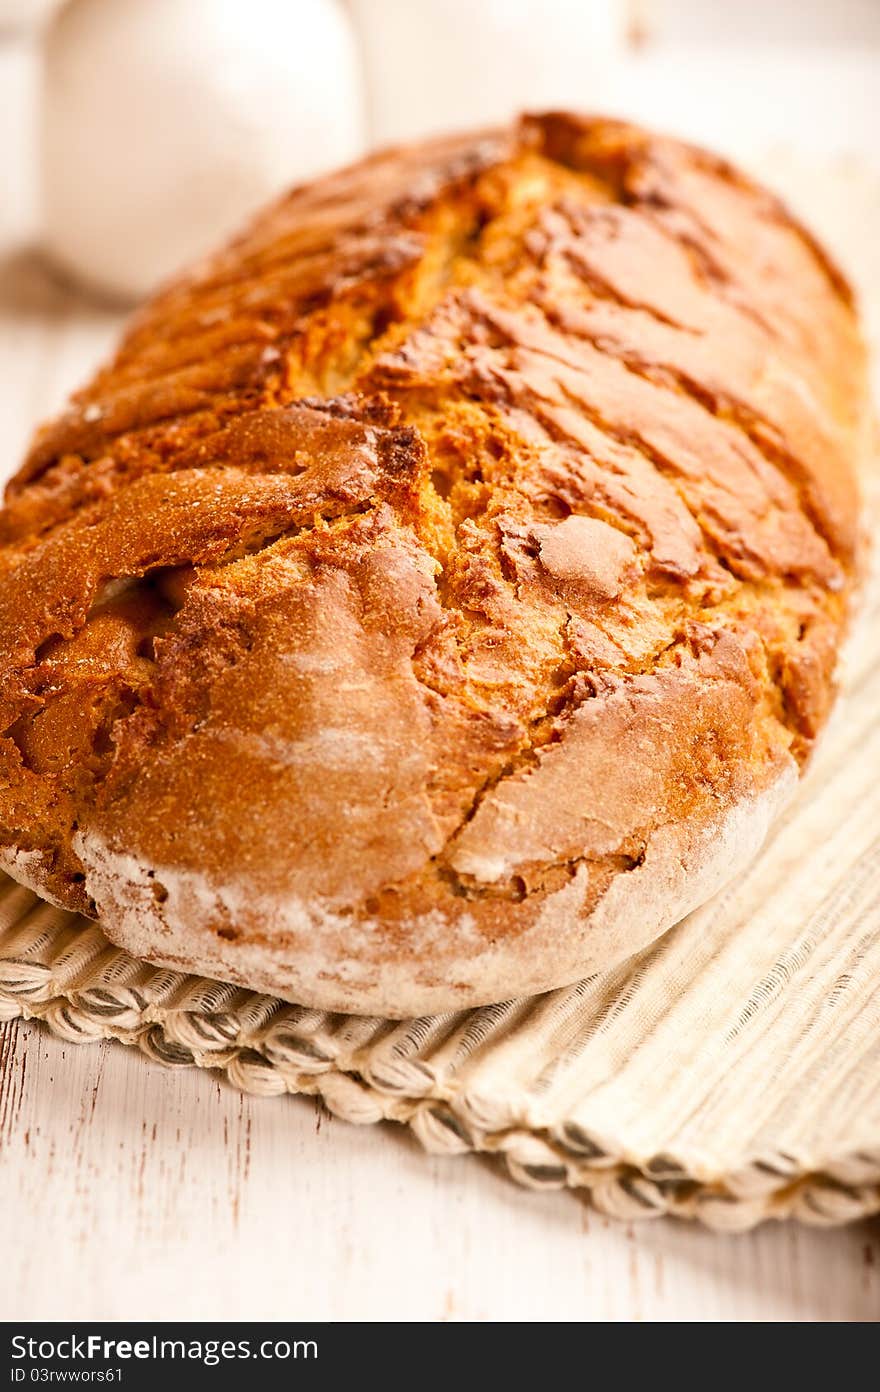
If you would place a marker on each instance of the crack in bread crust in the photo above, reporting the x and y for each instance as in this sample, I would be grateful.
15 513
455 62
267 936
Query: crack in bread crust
483 519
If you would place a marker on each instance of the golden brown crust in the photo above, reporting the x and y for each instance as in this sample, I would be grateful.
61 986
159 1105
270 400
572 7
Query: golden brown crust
472 535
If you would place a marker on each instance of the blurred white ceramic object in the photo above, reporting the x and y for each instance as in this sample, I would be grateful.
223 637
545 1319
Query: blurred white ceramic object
446 64
165 122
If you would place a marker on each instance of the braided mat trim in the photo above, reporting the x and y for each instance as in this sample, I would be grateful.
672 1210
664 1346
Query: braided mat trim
61 969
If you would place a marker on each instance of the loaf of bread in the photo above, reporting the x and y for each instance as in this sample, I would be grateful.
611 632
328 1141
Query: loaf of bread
437 595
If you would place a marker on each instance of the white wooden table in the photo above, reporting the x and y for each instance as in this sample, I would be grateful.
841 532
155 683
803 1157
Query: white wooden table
132 1191
128 1190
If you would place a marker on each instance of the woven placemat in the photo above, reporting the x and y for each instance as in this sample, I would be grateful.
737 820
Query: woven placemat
730 1073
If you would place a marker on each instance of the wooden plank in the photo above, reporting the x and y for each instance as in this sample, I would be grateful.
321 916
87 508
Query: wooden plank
129 1190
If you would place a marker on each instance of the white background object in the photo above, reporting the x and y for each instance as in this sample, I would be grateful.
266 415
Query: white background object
448 64
166 122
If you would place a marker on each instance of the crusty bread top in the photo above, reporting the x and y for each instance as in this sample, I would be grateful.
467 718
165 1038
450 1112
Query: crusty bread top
481 510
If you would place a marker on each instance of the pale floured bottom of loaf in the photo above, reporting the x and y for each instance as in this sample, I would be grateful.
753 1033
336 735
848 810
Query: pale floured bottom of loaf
298 958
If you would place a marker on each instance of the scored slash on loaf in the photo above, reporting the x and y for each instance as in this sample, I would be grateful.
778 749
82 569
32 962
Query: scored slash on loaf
437 595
